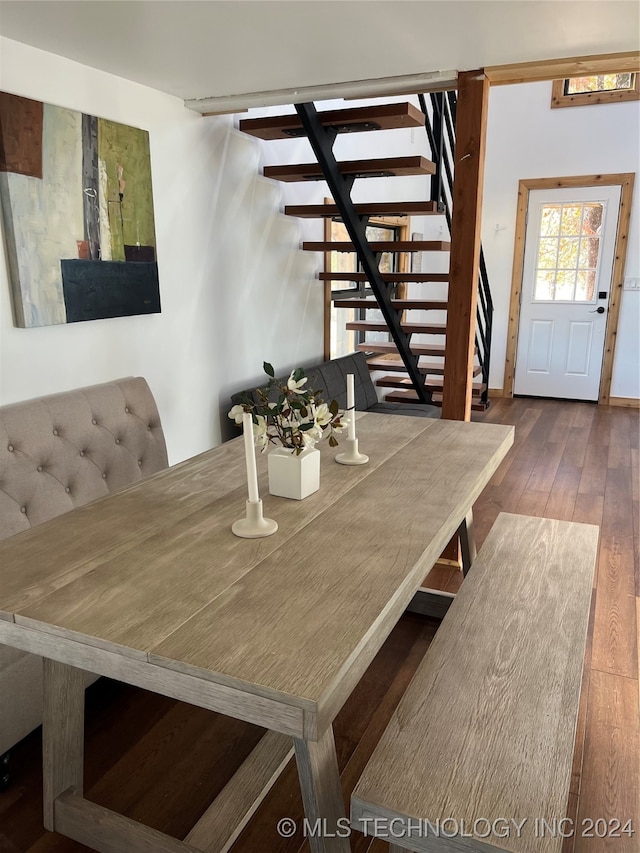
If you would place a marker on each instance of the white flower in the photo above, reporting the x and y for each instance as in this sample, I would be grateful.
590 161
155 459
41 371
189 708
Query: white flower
260 436
344 423
322 415
236 414
292 385
312 436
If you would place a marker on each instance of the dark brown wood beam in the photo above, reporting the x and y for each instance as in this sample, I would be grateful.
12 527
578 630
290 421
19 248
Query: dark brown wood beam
471 122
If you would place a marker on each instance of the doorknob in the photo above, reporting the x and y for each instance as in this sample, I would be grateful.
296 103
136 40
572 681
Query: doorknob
598 310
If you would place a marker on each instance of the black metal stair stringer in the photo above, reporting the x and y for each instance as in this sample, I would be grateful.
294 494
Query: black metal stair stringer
321 140
444 118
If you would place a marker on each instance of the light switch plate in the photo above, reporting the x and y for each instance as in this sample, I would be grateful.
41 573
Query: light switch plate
632 284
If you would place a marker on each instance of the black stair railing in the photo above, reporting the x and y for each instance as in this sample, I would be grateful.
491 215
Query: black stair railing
440 122
322 139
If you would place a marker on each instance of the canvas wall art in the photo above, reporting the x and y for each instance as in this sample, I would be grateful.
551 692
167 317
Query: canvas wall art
77 211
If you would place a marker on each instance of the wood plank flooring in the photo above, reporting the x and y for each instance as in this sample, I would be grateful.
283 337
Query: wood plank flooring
162 762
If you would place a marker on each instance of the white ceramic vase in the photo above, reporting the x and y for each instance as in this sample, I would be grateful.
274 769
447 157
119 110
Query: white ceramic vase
292 476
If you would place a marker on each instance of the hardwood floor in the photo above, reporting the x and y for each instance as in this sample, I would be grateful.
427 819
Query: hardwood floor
162 762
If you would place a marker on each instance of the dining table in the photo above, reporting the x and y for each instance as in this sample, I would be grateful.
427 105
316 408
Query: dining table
150 586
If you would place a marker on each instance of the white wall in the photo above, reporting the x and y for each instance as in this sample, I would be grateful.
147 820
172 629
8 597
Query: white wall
527 139
234 288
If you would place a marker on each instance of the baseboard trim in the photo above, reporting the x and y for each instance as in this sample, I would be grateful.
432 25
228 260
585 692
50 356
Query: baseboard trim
496 392
627 402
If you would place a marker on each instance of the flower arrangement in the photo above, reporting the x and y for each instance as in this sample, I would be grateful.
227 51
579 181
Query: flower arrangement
288 415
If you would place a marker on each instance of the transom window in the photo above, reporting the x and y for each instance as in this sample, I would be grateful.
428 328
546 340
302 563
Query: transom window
568 252
599 83
595 89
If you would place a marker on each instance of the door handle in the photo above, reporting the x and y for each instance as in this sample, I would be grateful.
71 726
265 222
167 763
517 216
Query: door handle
598 310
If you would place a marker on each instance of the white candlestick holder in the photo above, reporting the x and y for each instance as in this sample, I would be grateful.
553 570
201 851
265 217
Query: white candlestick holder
254 525
352 456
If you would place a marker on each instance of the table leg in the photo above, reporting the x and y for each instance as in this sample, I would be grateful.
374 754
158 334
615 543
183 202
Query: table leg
467 542
327 823
62 733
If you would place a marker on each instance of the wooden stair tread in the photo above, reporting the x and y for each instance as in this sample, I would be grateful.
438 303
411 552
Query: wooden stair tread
353 120
436 399
429 368
386 276
390 347
397 381
386 167
400 304
409 328
387 363
476 404
377 208
379 246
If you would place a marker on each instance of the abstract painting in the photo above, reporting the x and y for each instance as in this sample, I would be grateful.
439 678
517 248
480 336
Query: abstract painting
77 210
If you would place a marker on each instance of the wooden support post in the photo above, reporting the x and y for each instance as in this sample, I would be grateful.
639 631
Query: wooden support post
322 793
471 124
62 734
471 121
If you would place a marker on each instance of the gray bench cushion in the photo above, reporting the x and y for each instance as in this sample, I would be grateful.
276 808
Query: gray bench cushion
330 377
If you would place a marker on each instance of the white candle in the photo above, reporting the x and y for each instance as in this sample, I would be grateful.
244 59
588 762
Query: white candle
351 406
250 455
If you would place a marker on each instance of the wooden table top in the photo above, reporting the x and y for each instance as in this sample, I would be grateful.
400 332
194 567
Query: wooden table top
154 574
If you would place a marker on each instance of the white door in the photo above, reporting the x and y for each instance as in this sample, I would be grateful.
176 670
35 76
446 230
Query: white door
566 283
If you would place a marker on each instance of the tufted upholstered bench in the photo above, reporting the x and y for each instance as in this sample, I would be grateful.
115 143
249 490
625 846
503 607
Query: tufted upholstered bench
56 453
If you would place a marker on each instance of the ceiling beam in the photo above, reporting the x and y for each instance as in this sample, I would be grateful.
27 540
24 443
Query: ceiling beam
560 69
375 88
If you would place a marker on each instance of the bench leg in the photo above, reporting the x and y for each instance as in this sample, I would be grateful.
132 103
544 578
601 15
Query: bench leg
327 824
467 542
62 733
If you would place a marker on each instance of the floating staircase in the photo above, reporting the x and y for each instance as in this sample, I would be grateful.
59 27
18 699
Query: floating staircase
412 368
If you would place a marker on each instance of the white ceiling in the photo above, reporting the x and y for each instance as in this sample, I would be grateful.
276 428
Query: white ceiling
202 48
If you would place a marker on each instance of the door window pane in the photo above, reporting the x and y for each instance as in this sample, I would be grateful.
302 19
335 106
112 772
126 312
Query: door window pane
548 253
550 221
568 252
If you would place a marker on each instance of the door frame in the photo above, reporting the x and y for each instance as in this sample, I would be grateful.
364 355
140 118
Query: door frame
625 181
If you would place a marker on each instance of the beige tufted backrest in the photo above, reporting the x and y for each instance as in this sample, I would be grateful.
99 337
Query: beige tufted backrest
64 450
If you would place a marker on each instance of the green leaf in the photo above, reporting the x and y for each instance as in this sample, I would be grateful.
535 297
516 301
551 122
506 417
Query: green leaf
298 373
304 427
268 369
333 442
333 407
304 411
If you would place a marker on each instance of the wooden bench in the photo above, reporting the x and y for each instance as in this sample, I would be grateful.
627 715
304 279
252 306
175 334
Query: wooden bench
479 751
